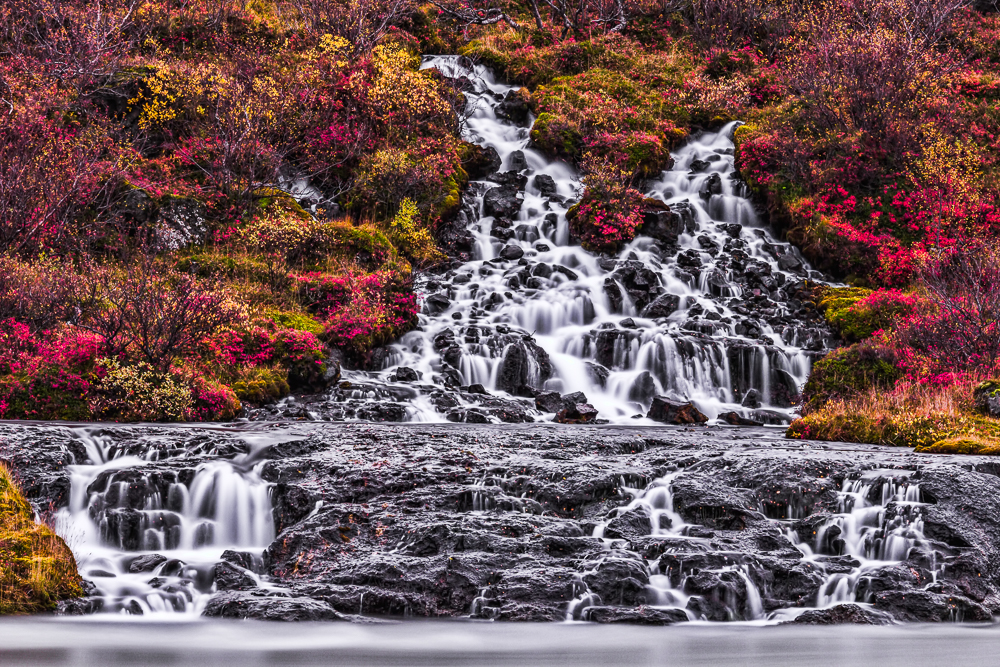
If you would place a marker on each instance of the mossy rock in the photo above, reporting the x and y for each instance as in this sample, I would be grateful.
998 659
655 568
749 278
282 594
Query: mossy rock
267 197
261 386
965 444
986 398
37 569
364 245
557 136
835 303
849 371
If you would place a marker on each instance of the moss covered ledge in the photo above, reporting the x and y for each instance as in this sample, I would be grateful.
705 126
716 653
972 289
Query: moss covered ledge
37 569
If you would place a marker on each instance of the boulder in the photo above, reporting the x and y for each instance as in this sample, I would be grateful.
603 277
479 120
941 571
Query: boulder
662 306
146 563
514 106
436 304
517 161
502 202
699 166
229 577
524 364
549 401
512 253
579 413
405 374
181 223
986 398
546 185
712 186
242 605
481 161
669 411
736 419
841 614
751 399
643 388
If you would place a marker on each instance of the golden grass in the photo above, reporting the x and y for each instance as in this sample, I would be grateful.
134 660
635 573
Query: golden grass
37 569
929 418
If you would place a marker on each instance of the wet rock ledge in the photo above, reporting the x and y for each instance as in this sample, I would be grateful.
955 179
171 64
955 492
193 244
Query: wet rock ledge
497 521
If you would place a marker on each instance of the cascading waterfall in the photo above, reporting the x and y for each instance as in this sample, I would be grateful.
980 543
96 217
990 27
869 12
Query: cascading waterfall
879 522
705 311
151 542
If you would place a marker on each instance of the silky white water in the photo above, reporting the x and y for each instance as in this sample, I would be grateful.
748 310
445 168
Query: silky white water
117 515
878 523
715 348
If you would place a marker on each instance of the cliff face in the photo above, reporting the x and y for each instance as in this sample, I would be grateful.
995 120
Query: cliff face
609 524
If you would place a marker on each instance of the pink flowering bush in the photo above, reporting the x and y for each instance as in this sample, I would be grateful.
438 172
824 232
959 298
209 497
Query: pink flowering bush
47 375
361 311
881 310
212 401
609 212
299 354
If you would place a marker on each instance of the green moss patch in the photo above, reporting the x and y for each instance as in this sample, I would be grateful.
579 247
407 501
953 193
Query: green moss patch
37 569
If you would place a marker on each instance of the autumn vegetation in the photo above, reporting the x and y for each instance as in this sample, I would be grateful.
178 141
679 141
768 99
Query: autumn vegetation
154 264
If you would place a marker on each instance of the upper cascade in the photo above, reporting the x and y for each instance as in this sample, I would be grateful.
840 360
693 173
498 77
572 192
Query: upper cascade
705 305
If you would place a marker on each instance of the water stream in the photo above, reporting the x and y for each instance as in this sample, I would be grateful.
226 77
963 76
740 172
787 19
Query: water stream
530 308
878 523
152 543
529 311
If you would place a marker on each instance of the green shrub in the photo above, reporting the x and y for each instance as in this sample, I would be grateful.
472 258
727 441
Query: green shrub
964 445
849 371
297 321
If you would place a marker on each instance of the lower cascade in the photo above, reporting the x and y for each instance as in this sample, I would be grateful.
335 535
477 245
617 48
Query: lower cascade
160 542
878 524
705 306
317 521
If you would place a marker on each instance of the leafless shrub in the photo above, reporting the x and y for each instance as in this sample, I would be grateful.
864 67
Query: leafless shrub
155 315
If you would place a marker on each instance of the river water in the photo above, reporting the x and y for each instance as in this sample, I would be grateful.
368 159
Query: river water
51 643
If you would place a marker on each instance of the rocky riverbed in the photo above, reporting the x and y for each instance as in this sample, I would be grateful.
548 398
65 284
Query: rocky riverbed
516 522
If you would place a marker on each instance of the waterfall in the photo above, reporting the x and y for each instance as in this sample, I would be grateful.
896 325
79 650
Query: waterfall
879 522
150 541
737 327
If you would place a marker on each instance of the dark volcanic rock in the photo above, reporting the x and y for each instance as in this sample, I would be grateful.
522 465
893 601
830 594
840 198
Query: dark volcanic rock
636 615
986 397
228 577
736 419
502 202
525 364
669 411
495 520
511 252
663 306
842 613
482 161
239 605
546 185
579 413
